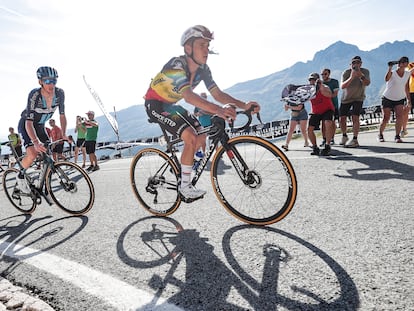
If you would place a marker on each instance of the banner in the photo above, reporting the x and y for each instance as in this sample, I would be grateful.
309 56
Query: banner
110 119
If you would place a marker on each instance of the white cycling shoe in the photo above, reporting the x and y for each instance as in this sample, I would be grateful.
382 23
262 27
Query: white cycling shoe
191 192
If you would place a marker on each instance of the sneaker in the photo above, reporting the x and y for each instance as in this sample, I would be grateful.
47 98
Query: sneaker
398 139
326 151
90 168
315 151
344 140
22 185
404 133
332 142
352 144
191 192
285 147
323 143
95 168
381 138
83 165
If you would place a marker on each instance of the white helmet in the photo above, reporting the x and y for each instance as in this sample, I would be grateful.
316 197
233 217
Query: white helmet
197 31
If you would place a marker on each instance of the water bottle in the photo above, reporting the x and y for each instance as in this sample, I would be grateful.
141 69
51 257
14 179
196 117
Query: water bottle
197 159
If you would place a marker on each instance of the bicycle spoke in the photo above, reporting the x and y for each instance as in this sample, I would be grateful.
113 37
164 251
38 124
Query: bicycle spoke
154 181
71 188
267 191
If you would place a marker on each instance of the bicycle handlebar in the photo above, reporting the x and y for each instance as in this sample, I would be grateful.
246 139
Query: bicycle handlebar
248 114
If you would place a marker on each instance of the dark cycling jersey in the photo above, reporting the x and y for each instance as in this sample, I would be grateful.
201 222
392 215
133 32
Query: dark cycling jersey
174 78
38 112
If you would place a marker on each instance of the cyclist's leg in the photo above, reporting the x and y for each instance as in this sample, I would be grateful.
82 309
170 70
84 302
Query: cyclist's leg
185 127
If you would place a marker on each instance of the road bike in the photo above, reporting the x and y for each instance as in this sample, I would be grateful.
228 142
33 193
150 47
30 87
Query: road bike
63 183
250 176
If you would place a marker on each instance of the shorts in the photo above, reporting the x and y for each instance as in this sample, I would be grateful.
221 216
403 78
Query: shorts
173 118
80 142
58 148
298 115
90 146
315 119
346 108
39 130
388 103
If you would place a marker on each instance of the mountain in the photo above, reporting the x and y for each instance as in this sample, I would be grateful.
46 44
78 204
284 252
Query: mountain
133 122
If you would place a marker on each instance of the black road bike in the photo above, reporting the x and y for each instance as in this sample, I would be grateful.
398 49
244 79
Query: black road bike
63 183
250 176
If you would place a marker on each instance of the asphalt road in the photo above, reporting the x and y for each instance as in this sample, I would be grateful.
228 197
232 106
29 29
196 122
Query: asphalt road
347 245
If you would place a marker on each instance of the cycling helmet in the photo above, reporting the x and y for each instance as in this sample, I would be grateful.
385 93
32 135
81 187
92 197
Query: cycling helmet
46 72
197 31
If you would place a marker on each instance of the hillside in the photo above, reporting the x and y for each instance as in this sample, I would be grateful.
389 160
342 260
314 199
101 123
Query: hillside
266 90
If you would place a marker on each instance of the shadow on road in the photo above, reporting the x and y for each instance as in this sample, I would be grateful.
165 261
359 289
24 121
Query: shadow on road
278 269
21 235
375 167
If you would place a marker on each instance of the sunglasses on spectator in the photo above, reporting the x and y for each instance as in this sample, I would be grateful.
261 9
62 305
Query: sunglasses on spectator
49 81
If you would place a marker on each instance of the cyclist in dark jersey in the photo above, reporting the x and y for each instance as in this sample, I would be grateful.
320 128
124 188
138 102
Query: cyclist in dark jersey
176 81
41 105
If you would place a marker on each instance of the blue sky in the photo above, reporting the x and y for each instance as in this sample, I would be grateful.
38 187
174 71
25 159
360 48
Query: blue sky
120 45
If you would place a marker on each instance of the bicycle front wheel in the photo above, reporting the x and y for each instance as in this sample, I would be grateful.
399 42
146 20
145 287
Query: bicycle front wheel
154 180
70 188
23 202
254 180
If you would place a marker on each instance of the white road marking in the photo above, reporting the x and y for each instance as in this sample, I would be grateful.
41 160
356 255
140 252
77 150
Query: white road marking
107 288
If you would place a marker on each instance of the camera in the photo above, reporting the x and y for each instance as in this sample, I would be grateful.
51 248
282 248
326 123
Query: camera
355 68
392 63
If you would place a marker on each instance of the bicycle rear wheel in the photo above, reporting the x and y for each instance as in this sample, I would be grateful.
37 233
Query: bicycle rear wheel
70 188
154 180
268 191
23 202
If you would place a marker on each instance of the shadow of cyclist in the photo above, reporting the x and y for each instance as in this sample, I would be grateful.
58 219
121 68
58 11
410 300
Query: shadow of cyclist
205 282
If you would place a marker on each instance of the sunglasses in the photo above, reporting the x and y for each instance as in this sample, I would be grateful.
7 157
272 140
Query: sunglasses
311 79
49 81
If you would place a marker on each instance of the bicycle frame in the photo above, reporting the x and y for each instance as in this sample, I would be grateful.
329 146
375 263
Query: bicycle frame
218 134
47 163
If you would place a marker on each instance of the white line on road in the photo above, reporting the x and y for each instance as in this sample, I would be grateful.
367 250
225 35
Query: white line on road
105 287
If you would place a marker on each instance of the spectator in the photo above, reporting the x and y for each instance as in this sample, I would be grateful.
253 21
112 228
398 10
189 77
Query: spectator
80 130
15 141
92 127
395 94
322 110
334 87
70 146
57 141
298 115
353 83
204 118
409 106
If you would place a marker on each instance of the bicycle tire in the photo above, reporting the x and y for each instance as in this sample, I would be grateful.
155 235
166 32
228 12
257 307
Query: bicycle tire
270 194
23 203
70 187
154 180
